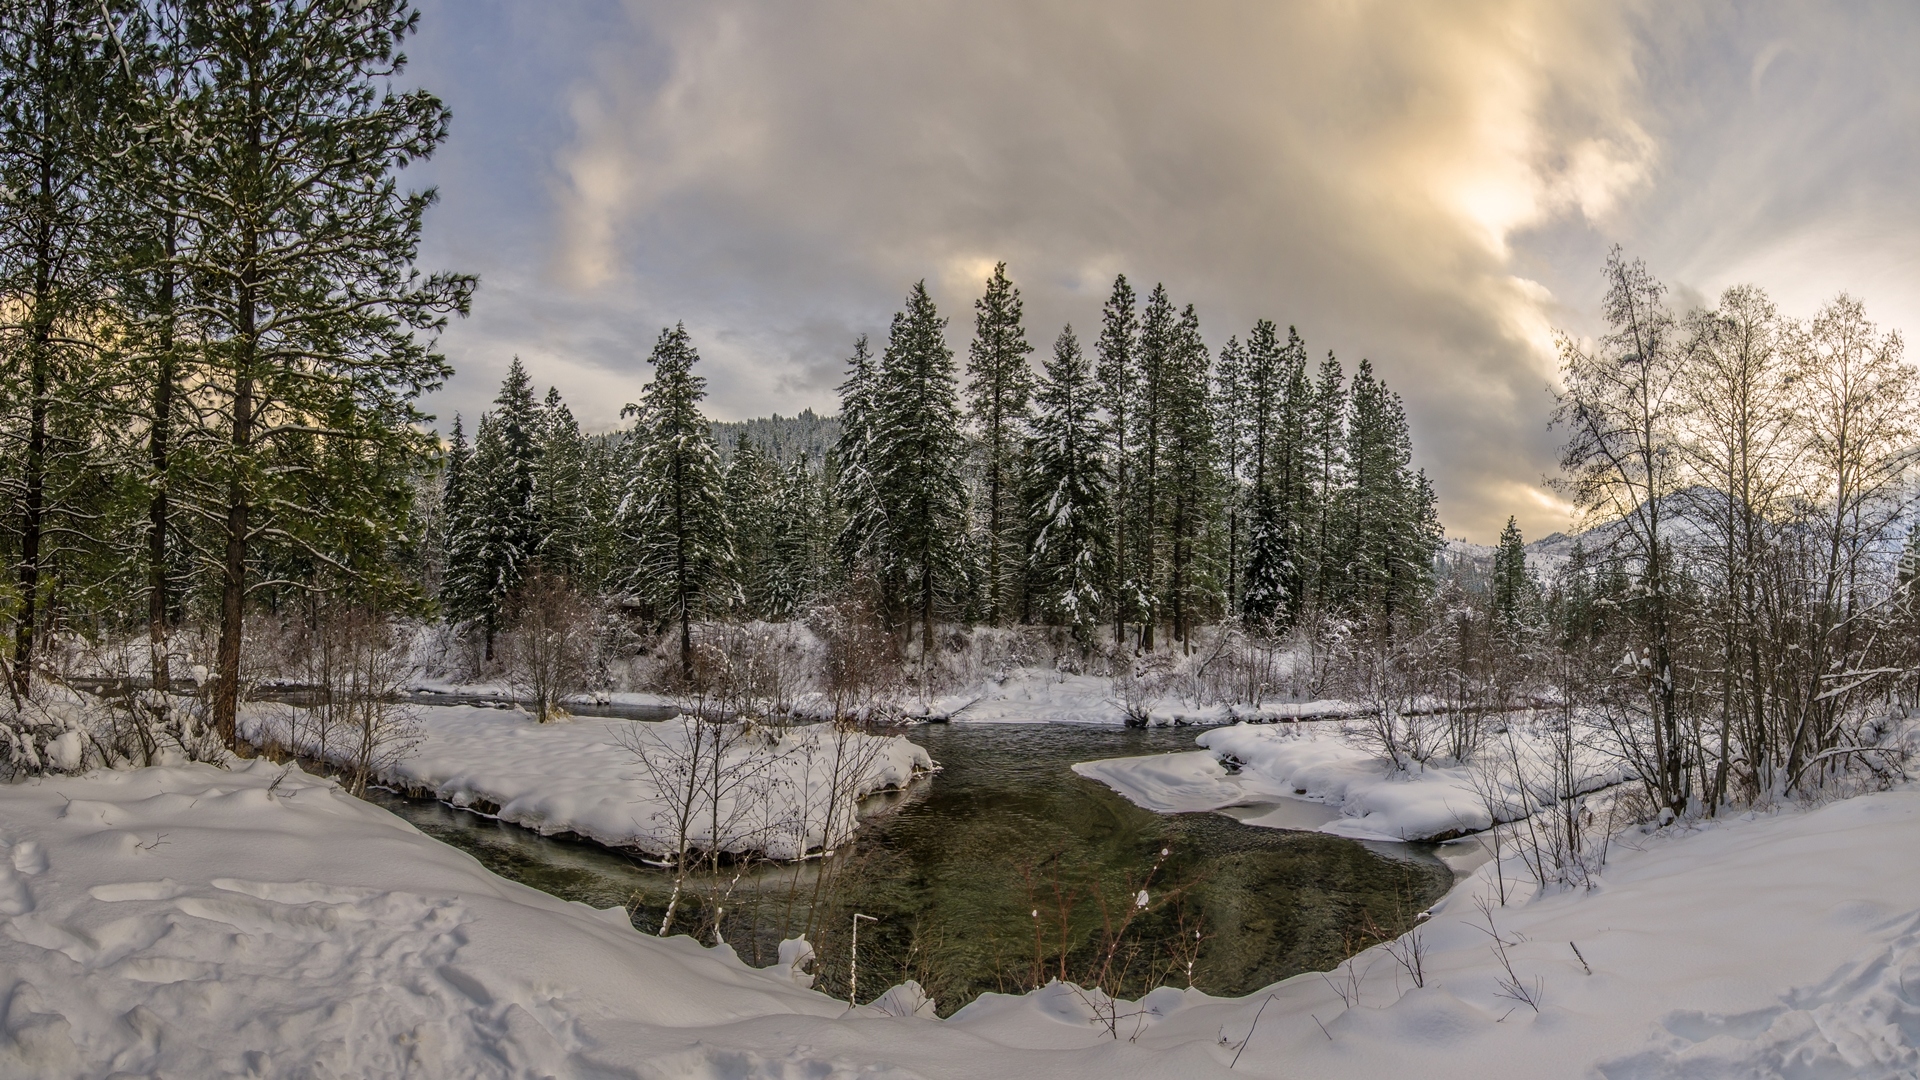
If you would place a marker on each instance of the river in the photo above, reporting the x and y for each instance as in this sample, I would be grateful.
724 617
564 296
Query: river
972 873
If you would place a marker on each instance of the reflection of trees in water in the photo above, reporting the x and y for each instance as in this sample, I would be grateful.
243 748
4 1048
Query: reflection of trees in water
955 867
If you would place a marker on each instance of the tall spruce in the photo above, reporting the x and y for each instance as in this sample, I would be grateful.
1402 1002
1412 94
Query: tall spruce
455 488
1191 476
861 540
797 540
142 182
1118 372
1389 528
919 451
1327 469
301 274
1294 475
496 534
1158 347
1067 501
562 499
753 489
999 390
1270 542
1230 415
674 517
1513 588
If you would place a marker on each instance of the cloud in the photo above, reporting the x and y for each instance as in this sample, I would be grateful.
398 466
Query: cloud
1359 169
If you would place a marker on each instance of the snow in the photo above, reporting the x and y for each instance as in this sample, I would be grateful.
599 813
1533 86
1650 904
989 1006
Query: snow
584 775
1325 764
1030 695
191 921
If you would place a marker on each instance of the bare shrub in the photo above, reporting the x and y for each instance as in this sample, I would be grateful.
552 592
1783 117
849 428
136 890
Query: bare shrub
1142 682
355 669
549 652
757 669
1390 676
861 675
1511 985
1409 950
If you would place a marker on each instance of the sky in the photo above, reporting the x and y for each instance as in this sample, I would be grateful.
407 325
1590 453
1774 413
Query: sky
1432 187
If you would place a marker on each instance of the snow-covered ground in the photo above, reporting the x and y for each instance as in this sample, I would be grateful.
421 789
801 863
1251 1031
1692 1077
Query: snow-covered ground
1023 695
1029 695
1325 763
784 791
192 921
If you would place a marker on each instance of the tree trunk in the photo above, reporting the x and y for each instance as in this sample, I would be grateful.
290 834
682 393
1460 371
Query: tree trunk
33 506
158 448
233 582
926 609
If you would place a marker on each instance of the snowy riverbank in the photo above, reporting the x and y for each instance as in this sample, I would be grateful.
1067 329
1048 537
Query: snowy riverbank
785 791
192 921
1249 764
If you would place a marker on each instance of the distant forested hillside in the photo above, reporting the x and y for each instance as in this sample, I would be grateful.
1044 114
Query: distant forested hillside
786 438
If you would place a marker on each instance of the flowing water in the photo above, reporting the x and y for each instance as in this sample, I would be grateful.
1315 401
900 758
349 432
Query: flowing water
973 873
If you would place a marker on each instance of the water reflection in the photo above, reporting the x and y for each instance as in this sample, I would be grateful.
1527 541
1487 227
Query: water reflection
956 868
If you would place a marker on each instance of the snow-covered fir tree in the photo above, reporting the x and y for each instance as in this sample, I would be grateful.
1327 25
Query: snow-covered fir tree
496 535
673 517
1326 467
999 388
1118 372
798 541
860 542
562 499
1192 483
1144 549
1513 586
1230 414
918 451
753 484
1067 495
1389 529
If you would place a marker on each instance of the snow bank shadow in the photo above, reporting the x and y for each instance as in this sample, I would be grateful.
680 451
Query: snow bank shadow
1862 1022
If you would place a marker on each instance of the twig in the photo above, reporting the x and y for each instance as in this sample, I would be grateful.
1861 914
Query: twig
1582 959
1323 1028
1250 1030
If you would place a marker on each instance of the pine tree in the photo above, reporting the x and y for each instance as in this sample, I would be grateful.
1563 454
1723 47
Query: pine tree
861 541
1230 415
1119 374
1068 495
495 533
512 483
1000 386
1191 477
1327 468
674 513
1283 501
1294 475
140 189
454 492
1271 543
56 89
301 273
797 542
1158 345
918 453
752 497
1390 532
1513 586
562 500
